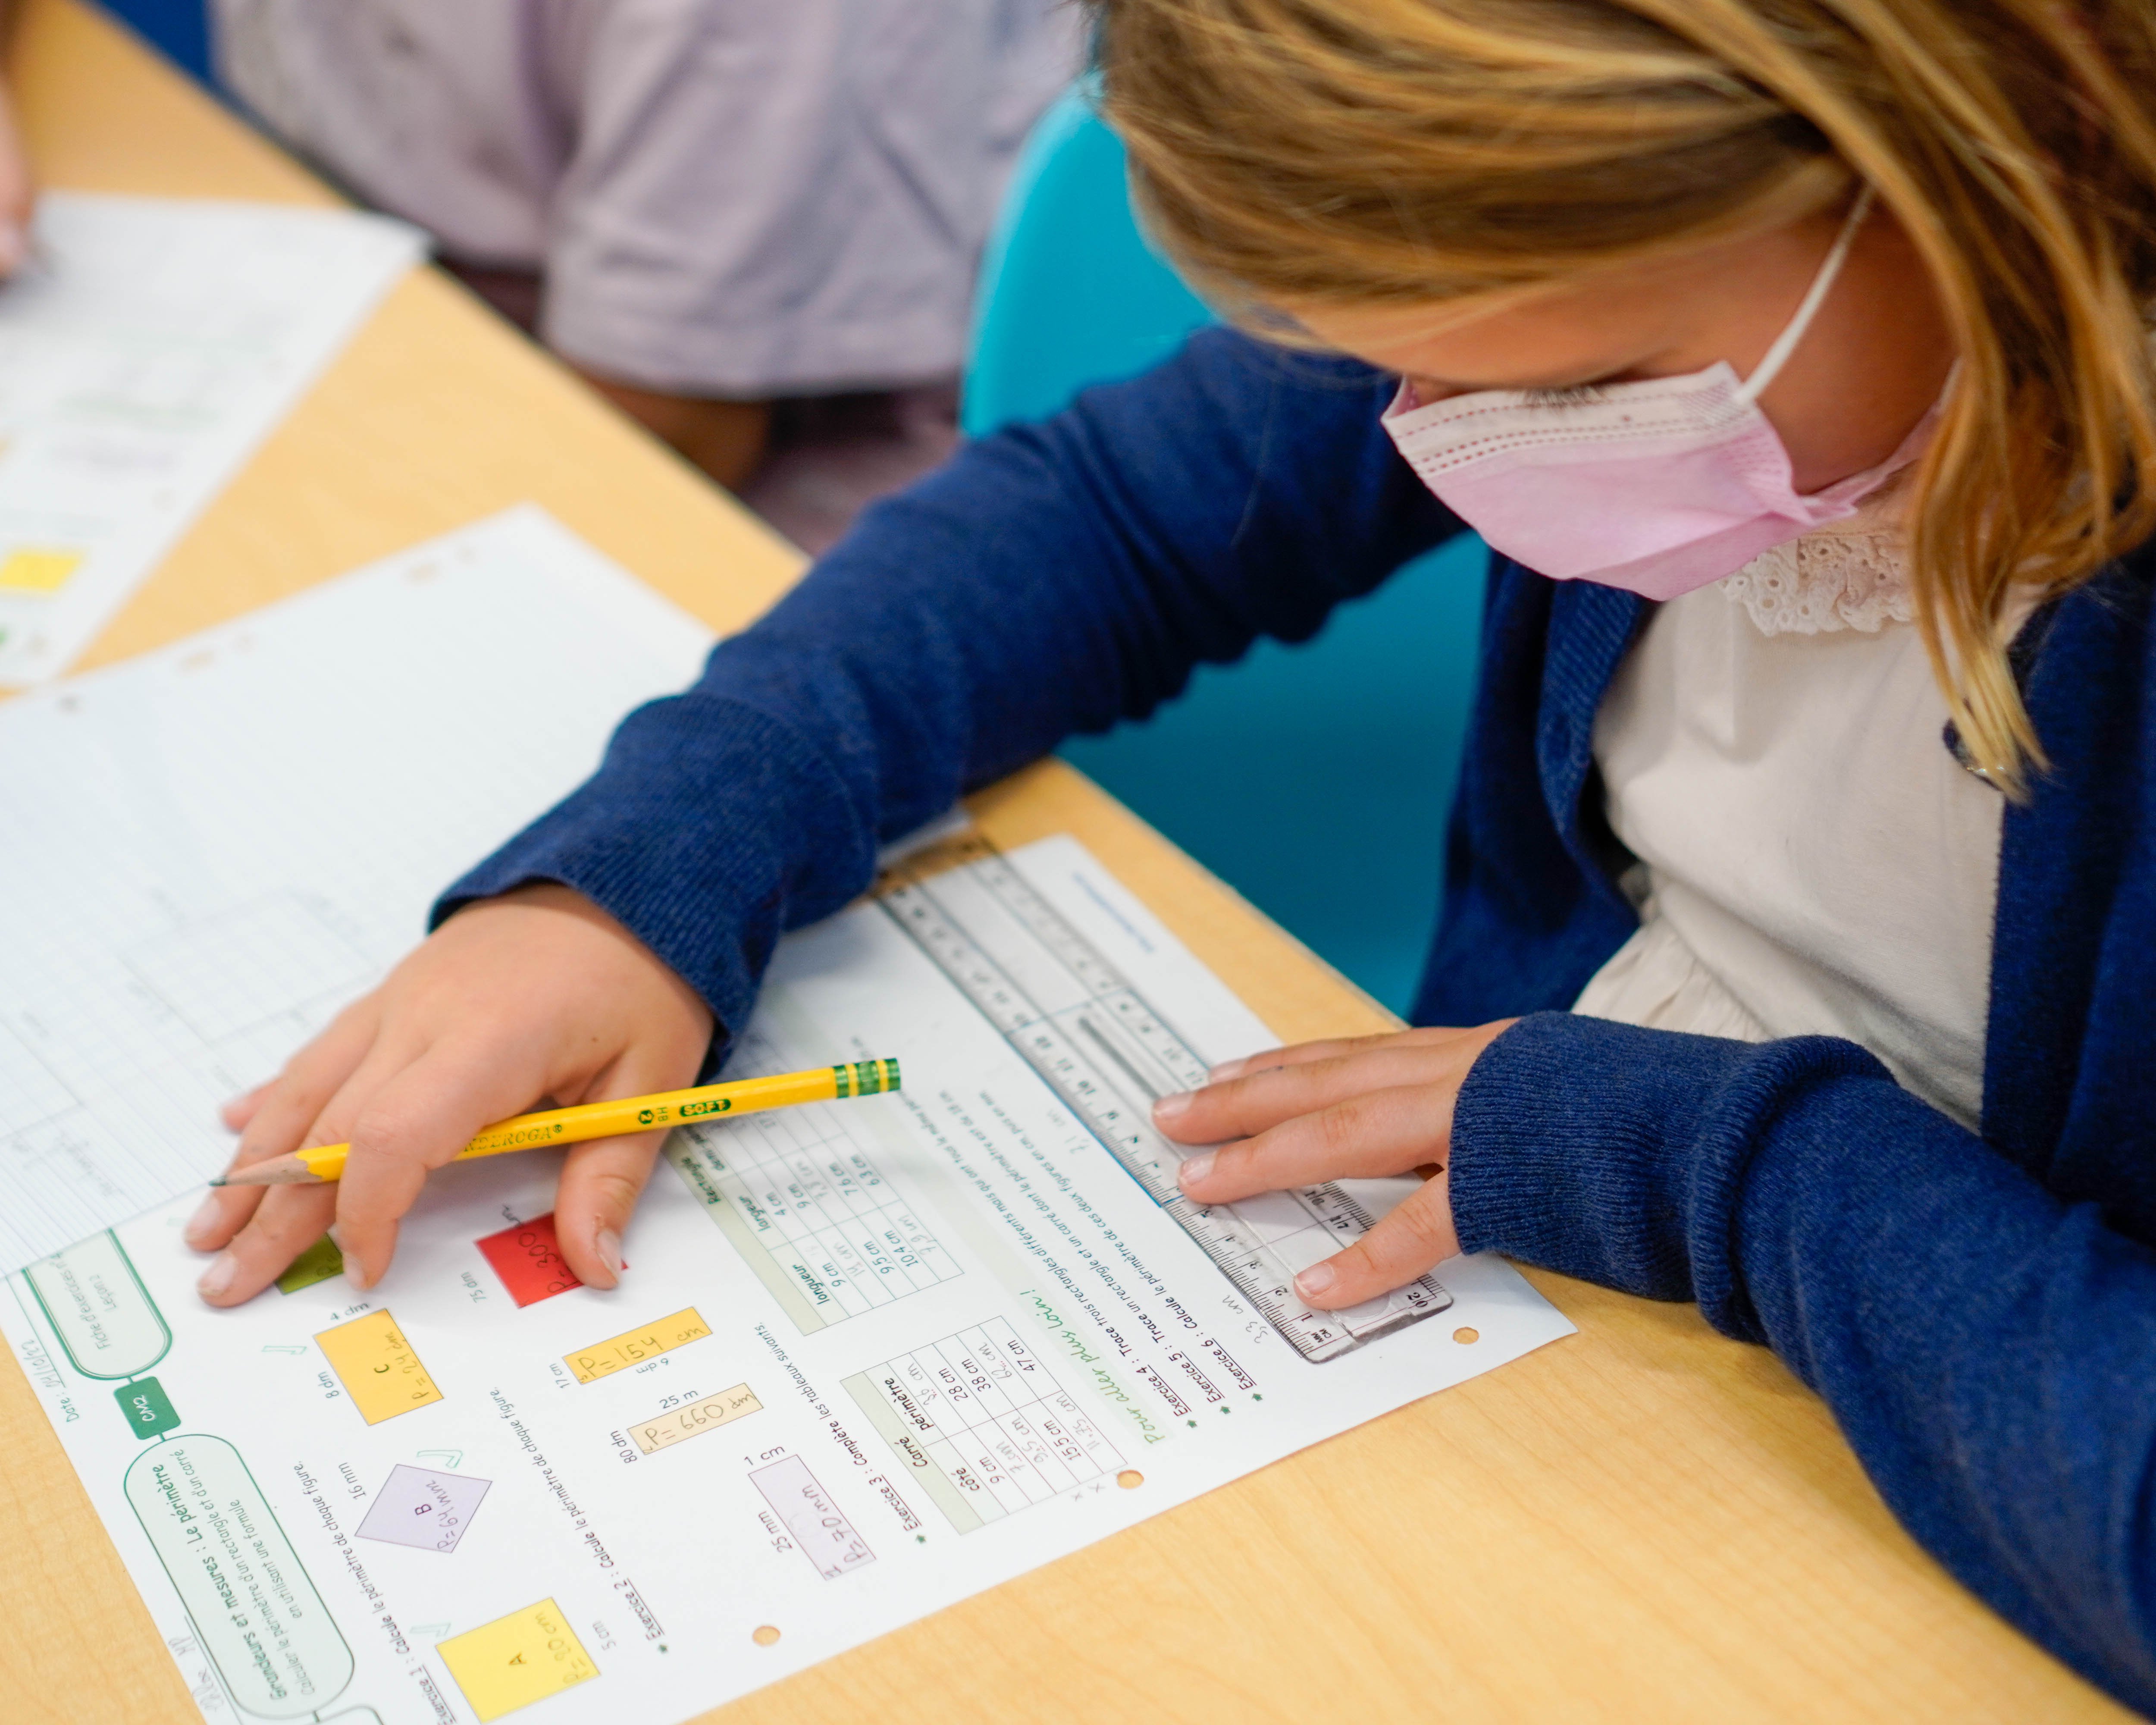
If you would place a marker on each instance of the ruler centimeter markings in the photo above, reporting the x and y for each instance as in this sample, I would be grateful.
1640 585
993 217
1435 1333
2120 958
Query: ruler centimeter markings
1102 1047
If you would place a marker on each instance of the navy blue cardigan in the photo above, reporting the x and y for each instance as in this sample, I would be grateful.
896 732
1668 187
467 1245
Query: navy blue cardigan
1979 1313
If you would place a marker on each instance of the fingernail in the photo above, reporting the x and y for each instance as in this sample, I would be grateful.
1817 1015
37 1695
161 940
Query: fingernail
1225 1071
1171 1107
608 1246
1316 1279
217 1281
1196 1167
199 1223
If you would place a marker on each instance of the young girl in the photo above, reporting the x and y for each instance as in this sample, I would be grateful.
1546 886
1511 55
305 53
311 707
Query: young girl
1793 356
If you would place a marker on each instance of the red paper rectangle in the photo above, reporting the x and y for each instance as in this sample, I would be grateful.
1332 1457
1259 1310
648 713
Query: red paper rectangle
528 1258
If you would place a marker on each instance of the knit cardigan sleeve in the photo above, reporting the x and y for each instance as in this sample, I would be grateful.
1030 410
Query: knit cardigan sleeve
1052 579
1989 1348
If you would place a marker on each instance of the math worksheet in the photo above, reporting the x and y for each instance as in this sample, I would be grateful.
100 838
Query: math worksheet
145 349
870 1356
206 851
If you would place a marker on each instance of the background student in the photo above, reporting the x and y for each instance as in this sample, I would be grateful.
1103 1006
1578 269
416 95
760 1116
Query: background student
701 204
1793 357
17 194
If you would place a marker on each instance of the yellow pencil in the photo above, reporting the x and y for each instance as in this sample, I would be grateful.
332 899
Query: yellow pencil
604 1119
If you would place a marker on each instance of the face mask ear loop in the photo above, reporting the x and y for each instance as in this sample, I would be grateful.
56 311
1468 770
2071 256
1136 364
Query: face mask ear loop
1785 344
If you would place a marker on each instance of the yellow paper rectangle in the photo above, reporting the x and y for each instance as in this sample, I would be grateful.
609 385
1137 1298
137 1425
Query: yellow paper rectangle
694 1418
377 1366
32 568
618 1353
516 1660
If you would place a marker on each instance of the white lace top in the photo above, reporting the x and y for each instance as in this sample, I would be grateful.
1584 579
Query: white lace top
1811 857
1848 574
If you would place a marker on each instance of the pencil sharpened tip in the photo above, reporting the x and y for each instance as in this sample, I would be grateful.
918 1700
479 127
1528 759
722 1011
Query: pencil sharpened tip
219 1181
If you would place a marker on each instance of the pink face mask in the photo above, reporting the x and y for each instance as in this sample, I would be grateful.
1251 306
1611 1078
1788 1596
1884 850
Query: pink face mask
1658 486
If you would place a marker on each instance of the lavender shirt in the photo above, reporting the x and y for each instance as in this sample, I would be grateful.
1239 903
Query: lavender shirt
727 197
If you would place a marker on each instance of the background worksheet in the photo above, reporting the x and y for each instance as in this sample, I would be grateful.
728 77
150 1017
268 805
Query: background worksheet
145 349
869 1356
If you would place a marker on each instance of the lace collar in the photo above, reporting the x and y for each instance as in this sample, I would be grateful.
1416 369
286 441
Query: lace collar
1848 574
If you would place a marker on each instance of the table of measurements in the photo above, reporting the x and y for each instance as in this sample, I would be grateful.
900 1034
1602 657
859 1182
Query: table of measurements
980 1425
820 1226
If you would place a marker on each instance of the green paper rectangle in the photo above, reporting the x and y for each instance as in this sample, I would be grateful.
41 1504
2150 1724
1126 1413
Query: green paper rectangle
148 1408
320 1262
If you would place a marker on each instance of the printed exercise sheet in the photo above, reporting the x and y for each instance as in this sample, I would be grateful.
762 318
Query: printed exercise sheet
206 851
869 1357
145 349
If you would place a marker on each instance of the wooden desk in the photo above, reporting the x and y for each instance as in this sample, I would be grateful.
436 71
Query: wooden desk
1645 1522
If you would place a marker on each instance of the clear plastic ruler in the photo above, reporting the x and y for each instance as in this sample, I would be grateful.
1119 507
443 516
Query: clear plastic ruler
1082 1026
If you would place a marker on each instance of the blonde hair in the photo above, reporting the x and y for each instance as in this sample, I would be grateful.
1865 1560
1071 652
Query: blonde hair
1410 151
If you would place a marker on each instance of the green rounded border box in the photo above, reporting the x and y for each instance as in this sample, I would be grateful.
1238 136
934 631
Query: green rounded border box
106 1319
254 1609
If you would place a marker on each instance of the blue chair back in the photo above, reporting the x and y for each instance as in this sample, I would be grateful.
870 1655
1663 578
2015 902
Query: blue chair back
1071 294
180 28
1316 779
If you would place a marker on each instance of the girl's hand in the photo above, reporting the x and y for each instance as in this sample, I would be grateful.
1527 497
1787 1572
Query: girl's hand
1329 1111
538 994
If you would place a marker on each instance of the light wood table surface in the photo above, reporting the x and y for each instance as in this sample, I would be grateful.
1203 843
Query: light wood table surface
1645 1522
